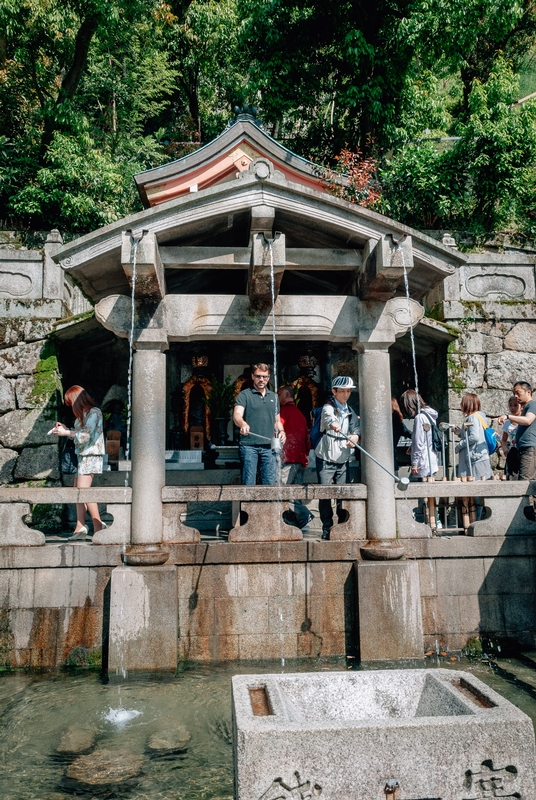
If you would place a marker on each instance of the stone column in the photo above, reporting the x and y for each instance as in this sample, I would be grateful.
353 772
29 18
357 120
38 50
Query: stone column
53 275
394 605
148 442
377 438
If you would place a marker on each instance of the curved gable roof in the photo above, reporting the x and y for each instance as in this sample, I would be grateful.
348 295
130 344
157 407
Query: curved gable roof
222 214
222 160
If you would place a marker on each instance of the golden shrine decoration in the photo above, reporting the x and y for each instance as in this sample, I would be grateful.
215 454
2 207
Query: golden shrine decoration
206 385
239 384
310 384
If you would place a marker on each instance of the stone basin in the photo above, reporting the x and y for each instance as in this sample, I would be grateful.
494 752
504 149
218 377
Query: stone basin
401 734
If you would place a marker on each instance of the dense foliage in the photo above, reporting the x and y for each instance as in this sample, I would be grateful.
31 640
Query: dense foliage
415 99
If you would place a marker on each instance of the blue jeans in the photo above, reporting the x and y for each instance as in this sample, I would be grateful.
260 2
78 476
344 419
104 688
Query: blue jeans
292 472
328 473
250 456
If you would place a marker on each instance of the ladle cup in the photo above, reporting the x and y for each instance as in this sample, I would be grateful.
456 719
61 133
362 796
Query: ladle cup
275 441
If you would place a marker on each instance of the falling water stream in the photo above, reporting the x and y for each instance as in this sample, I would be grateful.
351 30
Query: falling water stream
278 455
121 715
416 383
274 337
135 243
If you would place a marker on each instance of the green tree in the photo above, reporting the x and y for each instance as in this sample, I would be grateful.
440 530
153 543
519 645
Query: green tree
80 80
205 49
327 73
466 38
485 181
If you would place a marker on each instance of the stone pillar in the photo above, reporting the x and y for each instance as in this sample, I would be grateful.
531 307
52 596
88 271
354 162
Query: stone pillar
390 619
143 619
148 442
53 275
377 438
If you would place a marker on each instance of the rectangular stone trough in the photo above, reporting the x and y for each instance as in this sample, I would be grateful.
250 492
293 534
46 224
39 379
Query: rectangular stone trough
398 734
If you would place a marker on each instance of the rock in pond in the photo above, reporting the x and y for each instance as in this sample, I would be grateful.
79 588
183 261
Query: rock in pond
77 740
174 739
105 766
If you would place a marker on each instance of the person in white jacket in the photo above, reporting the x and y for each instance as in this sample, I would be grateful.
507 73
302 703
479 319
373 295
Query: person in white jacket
423 456
334 451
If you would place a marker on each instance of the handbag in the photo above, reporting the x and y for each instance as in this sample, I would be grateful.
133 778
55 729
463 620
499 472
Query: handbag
69 459
492 438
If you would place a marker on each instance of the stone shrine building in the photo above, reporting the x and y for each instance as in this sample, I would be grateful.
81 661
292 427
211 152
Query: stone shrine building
221 228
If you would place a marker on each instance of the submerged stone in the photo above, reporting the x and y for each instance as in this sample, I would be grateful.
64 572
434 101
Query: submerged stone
105 766
175 739
77 739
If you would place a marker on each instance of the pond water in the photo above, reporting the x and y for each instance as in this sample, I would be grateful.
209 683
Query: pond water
168 739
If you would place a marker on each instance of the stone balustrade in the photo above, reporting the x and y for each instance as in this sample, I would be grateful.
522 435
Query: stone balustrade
258 510
16 503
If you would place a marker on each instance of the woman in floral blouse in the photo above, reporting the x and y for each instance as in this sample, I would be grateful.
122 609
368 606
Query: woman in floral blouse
88 438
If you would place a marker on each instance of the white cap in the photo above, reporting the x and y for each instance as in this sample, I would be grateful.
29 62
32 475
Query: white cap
343 382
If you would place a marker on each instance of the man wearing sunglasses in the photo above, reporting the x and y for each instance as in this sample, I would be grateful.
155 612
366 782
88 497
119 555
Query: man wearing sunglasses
256 414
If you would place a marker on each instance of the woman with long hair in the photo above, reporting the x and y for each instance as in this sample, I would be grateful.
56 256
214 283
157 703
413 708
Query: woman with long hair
472 447
88 438
423 456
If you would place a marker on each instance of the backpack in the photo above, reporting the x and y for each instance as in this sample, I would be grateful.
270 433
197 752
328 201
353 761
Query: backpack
316 434
492 438
436 436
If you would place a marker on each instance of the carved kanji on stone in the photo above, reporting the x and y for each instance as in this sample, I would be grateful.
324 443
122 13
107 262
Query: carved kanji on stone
302 790
488 781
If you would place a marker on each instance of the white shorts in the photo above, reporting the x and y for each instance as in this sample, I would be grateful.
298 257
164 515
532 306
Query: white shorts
90 465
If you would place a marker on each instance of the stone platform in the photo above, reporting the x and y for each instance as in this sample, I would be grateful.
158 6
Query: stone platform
403 734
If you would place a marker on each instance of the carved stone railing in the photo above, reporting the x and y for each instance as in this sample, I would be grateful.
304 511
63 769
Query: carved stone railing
264 507
262 510
15 504
503 503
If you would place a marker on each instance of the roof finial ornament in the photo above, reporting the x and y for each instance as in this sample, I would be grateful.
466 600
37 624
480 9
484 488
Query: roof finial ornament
245 113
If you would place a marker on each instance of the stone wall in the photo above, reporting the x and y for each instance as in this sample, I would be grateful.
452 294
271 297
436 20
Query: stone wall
34 294
267 610
269 601
488 305
52 617
29 384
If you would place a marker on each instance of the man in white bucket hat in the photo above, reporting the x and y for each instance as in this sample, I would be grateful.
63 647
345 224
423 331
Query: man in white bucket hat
334 451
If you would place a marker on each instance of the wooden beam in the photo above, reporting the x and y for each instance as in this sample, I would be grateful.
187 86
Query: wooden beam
297 258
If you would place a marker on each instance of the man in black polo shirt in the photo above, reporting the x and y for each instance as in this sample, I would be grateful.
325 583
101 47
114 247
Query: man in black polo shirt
257 412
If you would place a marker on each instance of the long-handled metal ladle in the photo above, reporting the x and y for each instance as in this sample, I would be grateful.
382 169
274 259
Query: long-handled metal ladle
403 483
275 441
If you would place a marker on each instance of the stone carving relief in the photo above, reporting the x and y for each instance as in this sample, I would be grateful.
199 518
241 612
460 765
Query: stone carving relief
261 169
496 283
385 322
496 286
488 781
229 316
15 284
296 789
